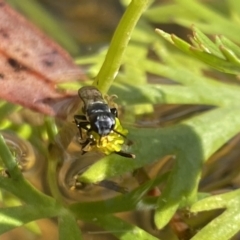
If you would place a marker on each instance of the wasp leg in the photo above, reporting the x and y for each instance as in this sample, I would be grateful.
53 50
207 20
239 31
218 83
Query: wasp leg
80 117
86 146
125 154
112 186
105 184
119 133
81 122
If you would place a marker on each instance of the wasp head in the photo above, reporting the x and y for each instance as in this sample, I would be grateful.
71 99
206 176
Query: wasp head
103 123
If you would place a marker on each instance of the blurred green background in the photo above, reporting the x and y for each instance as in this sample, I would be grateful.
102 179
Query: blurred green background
185 88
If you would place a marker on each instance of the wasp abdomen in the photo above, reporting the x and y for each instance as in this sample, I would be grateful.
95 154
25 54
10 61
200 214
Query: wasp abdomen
90 95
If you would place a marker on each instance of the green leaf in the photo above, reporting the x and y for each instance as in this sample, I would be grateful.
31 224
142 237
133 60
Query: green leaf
68 227
121 229
218 201
13 217
181 190
208 20
207 51
218 63
205 43
221 40
166 13
199 93
122 203
234 8
211 128
8 159
205 134
230 55
222 227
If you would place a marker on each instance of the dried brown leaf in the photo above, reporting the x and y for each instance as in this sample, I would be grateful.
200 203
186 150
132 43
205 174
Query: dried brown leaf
31 64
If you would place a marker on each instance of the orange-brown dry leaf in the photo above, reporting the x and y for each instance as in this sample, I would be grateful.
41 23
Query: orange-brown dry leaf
31 64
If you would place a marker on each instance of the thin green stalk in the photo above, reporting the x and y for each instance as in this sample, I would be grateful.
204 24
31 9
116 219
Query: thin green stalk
53 163
118 44
16 184
51 128
8 159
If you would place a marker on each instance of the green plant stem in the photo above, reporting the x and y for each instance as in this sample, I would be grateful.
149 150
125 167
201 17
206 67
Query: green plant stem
51 128
118 44
23 190
8 159
53 162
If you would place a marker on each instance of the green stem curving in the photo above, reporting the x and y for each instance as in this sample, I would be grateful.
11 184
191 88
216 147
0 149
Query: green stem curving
118 44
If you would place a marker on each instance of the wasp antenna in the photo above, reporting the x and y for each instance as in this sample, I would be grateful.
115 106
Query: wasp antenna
129 142
99 140
119 133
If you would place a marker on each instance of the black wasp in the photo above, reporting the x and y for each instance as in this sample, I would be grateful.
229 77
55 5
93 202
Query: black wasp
100 122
